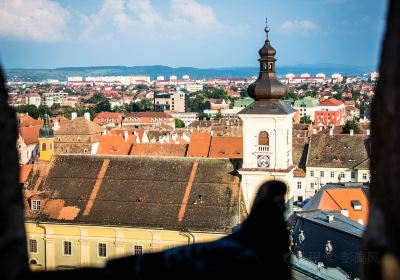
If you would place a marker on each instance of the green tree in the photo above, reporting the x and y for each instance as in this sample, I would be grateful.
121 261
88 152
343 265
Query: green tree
55 106
43 109
203 116
103 106
31 110
133 107
179 123
218 93
305 120
291 95
351 124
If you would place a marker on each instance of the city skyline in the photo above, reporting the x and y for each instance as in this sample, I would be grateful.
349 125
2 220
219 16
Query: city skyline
187 32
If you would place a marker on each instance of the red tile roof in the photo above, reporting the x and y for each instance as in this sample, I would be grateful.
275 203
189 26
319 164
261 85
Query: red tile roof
331 102
199 145
30 134
157 149
340 199
115 145
26 120
24 171
226 147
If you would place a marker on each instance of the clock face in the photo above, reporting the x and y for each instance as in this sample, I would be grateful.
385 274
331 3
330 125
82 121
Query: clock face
263 161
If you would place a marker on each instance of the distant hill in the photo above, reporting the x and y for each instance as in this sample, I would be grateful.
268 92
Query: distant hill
61 74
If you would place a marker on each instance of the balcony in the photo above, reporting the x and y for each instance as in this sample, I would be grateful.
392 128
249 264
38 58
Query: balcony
262 148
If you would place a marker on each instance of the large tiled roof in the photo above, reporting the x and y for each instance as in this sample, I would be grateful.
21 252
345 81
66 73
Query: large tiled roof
137 192
199 145
79 125
272 107
331 102
226 147
115 145
30 134
337 151
337 198
157 149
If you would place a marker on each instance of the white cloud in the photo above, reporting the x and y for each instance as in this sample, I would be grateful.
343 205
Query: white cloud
298 26
194 12
141 18
144 11
35 20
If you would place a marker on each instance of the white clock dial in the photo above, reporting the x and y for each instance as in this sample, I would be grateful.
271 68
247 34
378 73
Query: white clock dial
263 161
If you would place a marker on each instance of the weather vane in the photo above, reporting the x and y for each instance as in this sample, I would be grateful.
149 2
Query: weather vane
266 27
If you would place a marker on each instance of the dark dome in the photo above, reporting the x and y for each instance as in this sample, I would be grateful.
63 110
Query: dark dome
267 50
267 86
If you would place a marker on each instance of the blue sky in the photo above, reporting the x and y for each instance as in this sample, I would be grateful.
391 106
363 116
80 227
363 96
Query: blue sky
198 33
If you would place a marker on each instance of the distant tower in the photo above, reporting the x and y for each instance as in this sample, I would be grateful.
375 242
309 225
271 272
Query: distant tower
46 140
267 131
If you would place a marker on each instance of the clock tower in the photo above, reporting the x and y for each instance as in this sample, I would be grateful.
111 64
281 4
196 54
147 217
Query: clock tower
267 131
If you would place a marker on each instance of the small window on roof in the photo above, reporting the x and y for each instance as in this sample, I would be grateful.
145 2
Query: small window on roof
36 204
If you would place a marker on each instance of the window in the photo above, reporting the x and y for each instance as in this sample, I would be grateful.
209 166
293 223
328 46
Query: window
59 139
102 250
312 173
300 198
342 175
85 150
312 186
67 248
138 250
43 146
299 185
33 262
364 176
66 150
353 174
332 174
35 205
78 139
263 138
322 173
32 246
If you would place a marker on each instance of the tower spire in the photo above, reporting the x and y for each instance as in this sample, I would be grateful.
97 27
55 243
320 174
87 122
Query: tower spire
267 86
267 29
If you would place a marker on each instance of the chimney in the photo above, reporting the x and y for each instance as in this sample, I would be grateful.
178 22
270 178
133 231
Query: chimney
104 132
212 133
126 135
314 131
368 132
74 115
87 116
351 132
329 218
331 131
345 212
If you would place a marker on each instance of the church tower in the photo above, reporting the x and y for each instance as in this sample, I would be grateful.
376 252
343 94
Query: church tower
267 131
46 140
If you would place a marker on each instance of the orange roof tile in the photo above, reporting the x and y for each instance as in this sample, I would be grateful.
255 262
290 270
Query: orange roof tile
331 102
199 145
30 134
24 171
26 120
115 145
157 149
226 147
340 199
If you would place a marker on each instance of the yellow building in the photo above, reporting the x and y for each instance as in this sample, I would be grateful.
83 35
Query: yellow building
46 140
84 209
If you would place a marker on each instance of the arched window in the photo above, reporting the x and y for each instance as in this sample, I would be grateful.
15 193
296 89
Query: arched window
263 138
32 262
44 147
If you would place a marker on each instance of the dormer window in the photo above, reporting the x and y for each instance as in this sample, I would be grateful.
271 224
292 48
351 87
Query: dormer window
78 139
59 139
35 205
